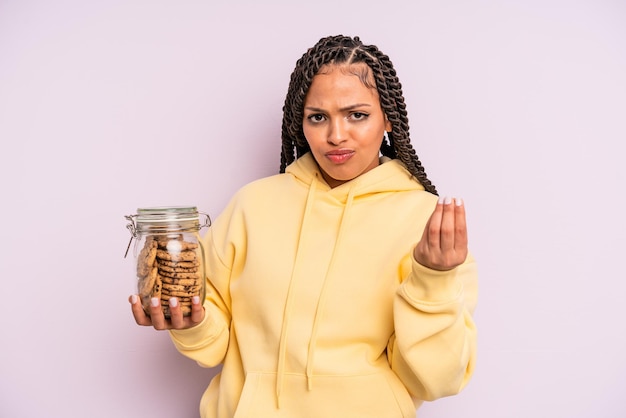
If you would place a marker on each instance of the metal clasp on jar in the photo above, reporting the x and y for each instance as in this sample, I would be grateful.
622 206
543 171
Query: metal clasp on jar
132 227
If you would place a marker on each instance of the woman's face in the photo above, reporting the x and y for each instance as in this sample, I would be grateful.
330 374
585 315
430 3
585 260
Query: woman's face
343 124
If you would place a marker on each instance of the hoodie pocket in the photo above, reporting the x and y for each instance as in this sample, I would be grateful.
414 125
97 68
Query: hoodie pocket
401 395
374 395
245 406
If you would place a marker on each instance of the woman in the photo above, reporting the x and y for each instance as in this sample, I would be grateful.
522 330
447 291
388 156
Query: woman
341 287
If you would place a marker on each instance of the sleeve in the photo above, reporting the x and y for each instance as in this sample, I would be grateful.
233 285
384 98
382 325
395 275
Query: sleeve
433 350
207 342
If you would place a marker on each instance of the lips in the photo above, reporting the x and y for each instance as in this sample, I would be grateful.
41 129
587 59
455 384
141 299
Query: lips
340 156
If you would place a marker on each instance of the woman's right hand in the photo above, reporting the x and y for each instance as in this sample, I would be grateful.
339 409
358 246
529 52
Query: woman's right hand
156 318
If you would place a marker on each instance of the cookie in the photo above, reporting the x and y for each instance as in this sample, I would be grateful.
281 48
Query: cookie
176 245
158 288
146 284
180 293
154 292
191 289
147 257
178 264
182 299
172 256
177 275
170 269
167 281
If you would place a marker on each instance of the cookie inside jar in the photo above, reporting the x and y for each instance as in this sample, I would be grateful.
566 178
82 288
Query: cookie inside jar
170 266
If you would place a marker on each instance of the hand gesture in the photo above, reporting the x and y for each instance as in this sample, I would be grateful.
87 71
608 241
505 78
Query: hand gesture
444 243
156 318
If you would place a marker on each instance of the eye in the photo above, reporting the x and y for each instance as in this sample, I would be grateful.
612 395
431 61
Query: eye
316 118
359 115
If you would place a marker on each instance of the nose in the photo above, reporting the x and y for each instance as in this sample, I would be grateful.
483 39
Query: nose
337 133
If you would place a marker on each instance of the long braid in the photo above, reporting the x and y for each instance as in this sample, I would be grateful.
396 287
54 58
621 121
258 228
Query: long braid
345 50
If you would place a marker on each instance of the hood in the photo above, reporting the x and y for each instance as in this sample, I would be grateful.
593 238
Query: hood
390 175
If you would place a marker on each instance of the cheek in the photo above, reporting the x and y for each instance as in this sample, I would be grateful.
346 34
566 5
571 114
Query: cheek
374 136
312 136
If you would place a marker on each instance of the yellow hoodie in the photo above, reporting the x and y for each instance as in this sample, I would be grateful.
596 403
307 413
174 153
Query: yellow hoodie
316 307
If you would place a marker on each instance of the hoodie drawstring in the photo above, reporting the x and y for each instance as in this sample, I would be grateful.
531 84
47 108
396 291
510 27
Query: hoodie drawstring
322 299
282 346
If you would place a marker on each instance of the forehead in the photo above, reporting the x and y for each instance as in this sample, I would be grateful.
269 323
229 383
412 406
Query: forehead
337 88
360 69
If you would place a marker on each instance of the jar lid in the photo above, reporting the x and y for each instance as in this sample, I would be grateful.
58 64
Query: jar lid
165 220
167 214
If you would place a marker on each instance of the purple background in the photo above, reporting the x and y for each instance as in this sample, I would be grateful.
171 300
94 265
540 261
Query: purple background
107 106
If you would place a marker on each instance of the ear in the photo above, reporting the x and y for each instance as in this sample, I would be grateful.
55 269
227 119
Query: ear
388 126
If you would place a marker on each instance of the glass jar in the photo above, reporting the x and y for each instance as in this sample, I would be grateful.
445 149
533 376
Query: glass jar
168 254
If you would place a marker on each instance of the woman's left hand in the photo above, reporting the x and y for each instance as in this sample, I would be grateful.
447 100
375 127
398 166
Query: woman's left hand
444 243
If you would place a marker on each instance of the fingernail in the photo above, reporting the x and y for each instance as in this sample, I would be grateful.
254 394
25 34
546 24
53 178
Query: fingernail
448 200
155 302
441 200
458 201
173 302
133 299
195 300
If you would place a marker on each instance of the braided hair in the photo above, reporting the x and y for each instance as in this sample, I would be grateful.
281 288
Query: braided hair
341 49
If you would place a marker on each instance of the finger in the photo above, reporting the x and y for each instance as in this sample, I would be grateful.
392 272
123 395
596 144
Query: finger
138 313
156 314
447 225
197 310
460 223
433 228
176 316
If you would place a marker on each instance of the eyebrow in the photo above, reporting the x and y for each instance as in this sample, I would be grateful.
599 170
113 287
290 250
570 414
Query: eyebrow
343 109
